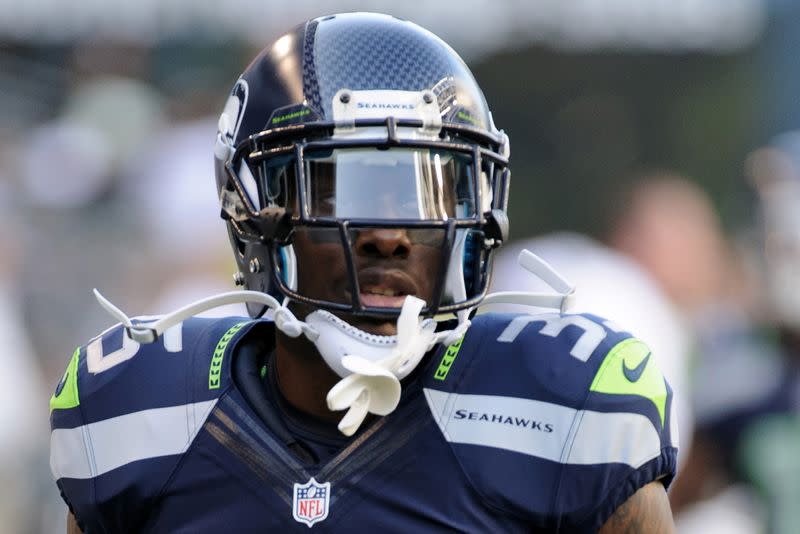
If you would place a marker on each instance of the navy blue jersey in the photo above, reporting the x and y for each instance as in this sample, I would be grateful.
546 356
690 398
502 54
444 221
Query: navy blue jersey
530 423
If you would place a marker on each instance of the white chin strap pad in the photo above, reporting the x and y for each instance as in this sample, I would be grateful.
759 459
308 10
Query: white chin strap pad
371 366
337 339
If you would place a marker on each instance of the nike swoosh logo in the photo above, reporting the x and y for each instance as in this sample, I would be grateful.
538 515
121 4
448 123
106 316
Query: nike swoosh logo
633 375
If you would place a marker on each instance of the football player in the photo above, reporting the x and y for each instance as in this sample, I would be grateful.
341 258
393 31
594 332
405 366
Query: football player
364 187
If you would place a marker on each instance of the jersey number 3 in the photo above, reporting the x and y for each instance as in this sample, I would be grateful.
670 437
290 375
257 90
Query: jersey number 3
593 333
97 361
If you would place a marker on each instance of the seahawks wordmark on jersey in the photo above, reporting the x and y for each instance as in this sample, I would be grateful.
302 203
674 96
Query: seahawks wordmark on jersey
543 423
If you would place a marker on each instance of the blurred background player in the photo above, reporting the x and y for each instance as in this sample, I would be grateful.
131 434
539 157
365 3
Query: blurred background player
748 379
668 225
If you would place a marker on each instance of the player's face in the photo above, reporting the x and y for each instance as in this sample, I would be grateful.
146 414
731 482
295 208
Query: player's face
390 263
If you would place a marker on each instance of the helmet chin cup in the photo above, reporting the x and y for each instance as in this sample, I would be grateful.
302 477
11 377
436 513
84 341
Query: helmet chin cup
371 366
339 339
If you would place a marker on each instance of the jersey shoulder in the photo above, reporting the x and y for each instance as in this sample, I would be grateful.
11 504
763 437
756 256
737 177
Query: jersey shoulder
551 356
568 408
124 413
113 375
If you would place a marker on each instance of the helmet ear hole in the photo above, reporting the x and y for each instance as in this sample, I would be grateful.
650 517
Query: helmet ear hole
253 261
469 258
287 266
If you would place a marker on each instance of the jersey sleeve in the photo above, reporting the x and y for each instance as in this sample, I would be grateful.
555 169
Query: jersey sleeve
124 413
624 438
556 419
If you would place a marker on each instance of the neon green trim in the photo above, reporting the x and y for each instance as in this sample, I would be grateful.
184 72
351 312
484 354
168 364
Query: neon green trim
293 115
447 360
468 118
649 382
215 370
68 387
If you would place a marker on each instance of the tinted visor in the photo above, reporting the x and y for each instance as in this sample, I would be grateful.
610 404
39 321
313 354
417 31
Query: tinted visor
367 183
415 184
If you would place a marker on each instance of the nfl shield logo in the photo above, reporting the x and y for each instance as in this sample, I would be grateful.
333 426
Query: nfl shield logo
311 502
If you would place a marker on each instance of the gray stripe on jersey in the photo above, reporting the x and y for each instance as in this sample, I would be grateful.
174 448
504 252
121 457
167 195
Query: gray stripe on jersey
673 424
544 430
90 450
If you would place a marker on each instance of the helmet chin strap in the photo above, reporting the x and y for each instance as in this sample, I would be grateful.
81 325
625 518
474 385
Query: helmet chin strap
371 366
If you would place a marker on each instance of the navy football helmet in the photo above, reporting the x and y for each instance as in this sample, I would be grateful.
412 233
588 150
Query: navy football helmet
357 122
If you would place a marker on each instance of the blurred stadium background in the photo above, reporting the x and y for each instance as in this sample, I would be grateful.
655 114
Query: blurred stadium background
632 123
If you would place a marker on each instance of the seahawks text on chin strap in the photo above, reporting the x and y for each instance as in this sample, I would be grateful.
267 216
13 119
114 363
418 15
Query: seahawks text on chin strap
371 366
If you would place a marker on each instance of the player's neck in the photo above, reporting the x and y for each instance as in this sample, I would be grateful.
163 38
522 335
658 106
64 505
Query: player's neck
303 376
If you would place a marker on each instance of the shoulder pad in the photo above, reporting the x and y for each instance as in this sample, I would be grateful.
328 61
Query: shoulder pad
124 412
551 356
113 375
571 413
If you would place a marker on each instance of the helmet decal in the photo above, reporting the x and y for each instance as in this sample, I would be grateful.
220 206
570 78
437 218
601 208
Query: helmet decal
231 119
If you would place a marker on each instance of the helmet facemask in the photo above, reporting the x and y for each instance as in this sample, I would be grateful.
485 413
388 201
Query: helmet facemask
444 191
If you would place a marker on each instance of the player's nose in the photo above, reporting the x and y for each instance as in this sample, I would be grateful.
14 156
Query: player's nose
383 243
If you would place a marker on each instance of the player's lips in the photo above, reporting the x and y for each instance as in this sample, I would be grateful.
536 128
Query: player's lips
385 289
373 298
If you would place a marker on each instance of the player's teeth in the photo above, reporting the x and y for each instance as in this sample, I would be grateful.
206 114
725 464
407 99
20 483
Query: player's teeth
384 292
